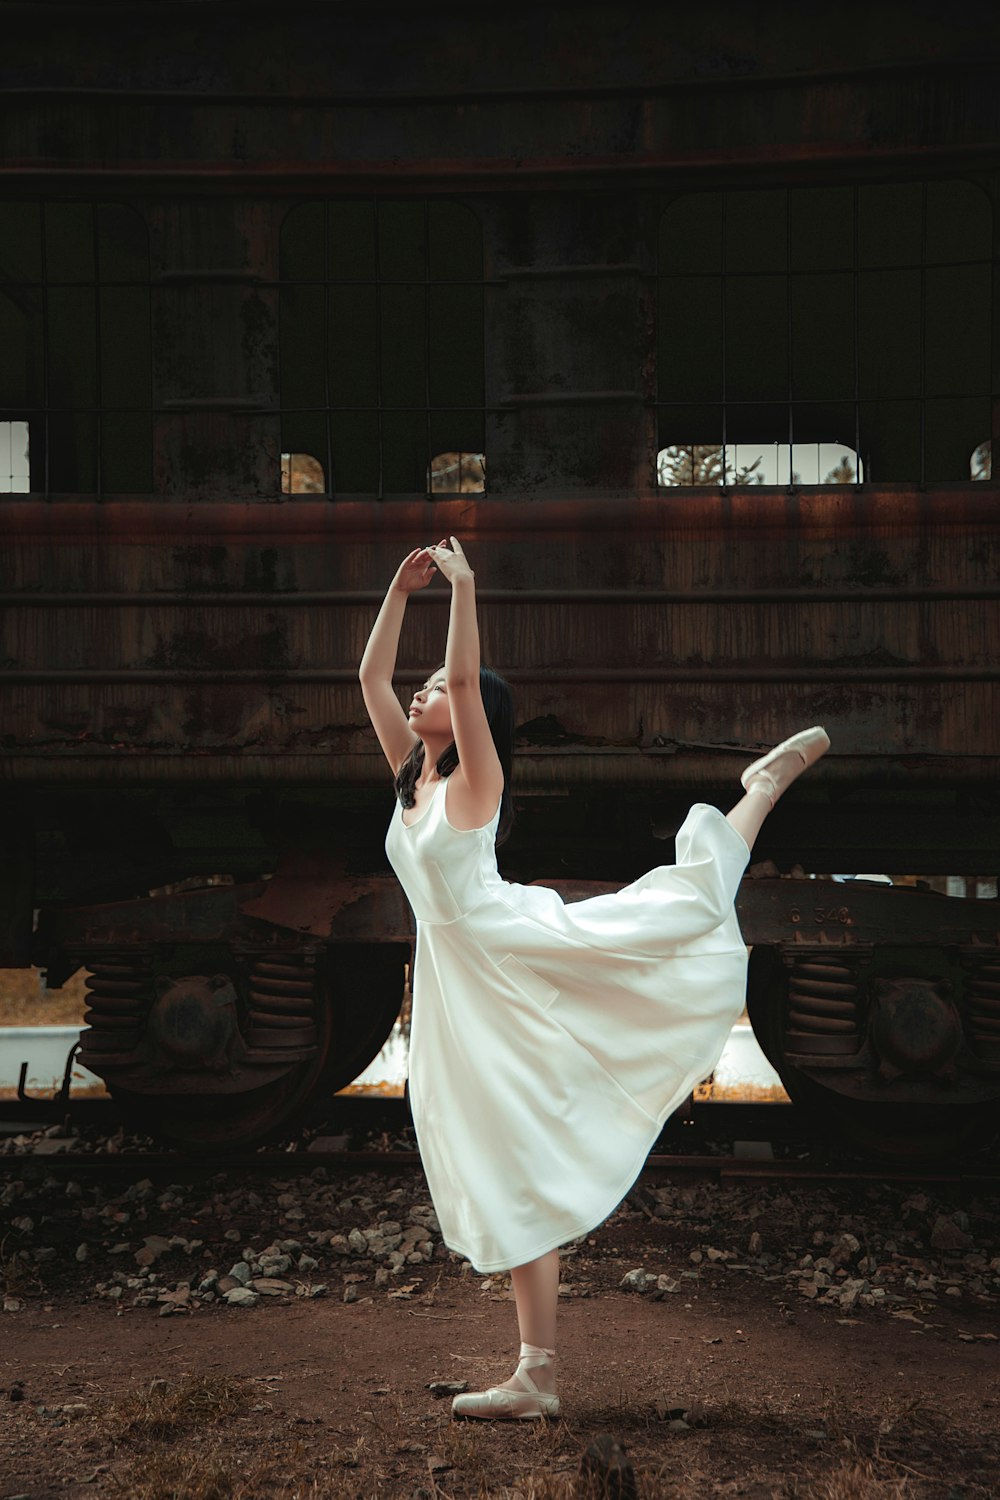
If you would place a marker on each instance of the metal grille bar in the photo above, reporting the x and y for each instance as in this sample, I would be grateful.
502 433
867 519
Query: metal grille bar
93 468
724 405
379 283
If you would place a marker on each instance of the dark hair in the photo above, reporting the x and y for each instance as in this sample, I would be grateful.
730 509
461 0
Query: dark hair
499 705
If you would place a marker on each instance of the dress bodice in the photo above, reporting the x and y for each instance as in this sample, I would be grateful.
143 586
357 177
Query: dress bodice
445 872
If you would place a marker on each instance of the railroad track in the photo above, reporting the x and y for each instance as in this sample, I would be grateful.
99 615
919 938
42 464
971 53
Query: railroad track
710 1121
658 1167
759 1133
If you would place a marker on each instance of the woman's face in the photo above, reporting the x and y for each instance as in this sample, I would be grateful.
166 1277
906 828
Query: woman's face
430 713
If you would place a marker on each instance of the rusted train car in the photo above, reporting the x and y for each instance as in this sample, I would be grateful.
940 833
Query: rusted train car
685 322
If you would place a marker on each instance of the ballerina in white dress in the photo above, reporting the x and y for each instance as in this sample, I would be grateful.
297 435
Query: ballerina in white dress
549 1041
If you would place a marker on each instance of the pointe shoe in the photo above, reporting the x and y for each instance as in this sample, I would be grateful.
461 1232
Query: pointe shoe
498 1403
808 744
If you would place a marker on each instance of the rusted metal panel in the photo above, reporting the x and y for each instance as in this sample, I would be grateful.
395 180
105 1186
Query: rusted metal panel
247 48
214 347
875 613
311 893
313 901
919 521
825 915
370 909
588 91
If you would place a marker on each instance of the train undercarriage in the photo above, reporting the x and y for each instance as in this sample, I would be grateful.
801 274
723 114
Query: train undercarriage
224 1012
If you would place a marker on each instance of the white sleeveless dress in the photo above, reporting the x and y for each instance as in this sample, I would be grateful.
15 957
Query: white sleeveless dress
550 1041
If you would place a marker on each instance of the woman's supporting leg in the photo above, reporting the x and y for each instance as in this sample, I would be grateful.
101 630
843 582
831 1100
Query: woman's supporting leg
531 1390
536 1290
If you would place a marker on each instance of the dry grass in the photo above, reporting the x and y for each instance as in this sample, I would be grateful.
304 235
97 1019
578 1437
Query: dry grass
537 1487
161 1429
162 1411
470 1449
176 1474
289 1472
185 1441
854 1479
837 1416
909 1412
17 1276
732 1414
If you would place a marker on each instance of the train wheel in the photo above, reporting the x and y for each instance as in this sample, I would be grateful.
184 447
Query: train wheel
359 990
895 1132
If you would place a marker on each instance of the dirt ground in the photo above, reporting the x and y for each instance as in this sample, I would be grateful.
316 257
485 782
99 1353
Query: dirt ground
731 1384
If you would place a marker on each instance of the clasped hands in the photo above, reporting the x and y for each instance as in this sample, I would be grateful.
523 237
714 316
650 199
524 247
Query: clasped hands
417 570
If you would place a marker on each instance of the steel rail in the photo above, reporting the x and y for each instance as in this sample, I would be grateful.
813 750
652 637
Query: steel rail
771 1124
722 1169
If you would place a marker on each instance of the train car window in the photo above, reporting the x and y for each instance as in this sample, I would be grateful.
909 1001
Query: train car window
981 461
14 459
812 336
301 474
757 463
464 473
75 352
381 345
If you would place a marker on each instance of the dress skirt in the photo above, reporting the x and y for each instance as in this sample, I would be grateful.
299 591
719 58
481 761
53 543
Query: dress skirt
550 1041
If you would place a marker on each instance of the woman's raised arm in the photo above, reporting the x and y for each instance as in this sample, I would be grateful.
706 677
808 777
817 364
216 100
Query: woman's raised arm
379 660
480 774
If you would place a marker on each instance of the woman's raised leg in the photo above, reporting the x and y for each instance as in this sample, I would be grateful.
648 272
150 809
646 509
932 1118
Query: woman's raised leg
773 774
747 817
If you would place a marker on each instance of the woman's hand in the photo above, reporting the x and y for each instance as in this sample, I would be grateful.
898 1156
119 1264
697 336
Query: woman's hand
414 572
452 564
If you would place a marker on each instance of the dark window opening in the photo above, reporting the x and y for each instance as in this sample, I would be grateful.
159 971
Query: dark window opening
381 342
75 351
805 318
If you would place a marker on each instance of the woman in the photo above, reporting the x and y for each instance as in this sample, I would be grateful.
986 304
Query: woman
549 1042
